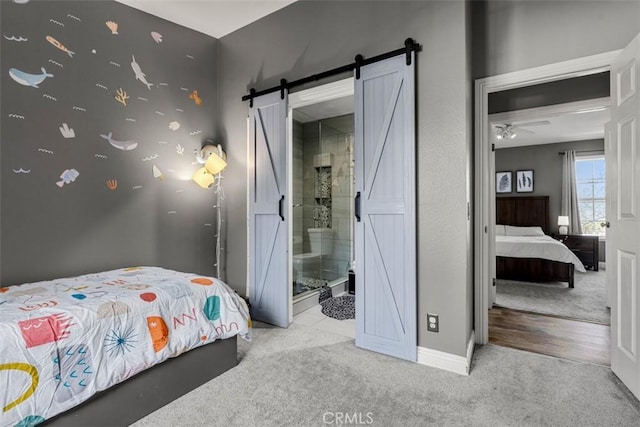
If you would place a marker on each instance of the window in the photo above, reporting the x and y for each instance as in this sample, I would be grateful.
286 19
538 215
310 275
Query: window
590 182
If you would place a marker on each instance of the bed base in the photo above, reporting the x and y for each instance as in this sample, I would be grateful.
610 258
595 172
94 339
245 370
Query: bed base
534 270
133 399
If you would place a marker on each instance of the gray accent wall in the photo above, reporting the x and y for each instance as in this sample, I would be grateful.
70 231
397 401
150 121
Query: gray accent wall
546 164
308 37
81 225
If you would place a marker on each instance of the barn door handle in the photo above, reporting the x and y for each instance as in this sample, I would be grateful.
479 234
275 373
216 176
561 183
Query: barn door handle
280 208
357 206
605 224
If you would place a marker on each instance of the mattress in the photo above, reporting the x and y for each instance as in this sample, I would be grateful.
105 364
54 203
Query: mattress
64 340
544 247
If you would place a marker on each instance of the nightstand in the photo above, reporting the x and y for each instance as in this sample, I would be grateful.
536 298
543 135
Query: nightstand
584 246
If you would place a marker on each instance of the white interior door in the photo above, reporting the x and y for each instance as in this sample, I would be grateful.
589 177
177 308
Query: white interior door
268 282
610 212
623 236
385 234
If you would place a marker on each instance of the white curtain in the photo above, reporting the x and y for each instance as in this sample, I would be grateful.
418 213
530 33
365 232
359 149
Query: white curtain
570 193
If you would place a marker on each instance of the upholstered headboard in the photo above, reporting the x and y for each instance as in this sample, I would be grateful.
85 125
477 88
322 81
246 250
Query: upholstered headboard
523 211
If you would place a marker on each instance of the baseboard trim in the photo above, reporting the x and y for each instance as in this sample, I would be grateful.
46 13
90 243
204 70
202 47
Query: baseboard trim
447 361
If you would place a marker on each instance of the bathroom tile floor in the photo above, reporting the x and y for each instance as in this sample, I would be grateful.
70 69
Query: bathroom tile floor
313 318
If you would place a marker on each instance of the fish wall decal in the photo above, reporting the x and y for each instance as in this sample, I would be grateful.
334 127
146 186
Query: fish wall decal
67 177
28 79
60 46
120 145
139 74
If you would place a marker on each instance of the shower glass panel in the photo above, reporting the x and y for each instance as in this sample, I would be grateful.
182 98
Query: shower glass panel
322 202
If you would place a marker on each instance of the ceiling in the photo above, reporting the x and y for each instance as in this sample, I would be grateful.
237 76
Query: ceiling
215 18
323 110
575 121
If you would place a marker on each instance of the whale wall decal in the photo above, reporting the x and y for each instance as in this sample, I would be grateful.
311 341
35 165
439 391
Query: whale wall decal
27 79
120 145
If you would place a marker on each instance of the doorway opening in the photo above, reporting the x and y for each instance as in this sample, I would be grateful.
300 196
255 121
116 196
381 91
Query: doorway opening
485 230
321 132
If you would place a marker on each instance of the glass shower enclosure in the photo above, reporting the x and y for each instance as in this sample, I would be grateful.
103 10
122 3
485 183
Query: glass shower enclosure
323 186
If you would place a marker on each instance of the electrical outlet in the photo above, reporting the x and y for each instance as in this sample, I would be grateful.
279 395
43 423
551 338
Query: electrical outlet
433 324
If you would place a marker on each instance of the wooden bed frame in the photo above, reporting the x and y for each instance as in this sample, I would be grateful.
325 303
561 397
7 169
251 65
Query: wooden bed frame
144 393
528 211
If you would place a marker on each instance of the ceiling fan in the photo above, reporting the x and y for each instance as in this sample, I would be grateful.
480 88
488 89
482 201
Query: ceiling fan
508 130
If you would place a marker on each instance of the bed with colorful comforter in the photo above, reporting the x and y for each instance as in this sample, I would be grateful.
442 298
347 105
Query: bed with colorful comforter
62 341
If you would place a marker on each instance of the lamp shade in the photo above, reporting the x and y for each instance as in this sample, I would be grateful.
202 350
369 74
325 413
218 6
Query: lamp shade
203 178
563 220
215 163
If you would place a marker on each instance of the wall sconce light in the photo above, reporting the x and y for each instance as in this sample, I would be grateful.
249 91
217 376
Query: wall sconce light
563 224
214 161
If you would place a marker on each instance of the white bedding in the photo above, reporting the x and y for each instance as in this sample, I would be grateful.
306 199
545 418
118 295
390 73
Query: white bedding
545 247
61 341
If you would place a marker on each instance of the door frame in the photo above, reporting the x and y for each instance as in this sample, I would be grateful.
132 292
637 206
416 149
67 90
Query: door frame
484 209
326 92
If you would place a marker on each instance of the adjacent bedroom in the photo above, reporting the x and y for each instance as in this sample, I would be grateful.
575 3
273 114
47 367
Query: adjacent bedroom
550 231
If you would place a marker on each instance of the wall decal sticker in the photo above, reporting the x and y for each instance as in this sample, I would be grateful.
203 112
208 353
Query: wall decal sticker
156 172
180 149
184 89
196 98
190 57
56 63
160 113
27 79
28 369
179 191
60 46
113 26
129 119
102 86
16 116
139 74
179 110
100 156
172 212
162 142
56 22
79 108
114 63
195 132
42 150
120 145
207 225
93 51
157 37
21 171
121 97
74 18
112 184
66 131
163 84
174 125
16 39
21 1
67 177
45 95
137 187
152 157
142 99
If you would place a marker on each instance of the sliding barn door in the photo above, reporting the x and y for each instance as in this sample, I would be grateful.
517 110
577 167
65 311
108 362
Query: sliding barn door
623 237
385 208
268 284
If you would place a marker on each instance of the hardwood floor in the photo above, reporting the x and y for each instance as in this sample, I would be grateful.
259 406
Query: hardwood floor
553 336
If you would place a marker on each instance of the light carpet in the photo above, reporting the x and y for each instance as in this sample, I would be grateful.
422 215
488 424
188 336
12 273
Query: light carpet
586 301
305 377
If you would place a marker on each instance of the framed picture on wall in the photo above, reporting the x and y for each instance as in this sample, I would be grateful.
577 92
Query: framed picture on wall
503 182
524 181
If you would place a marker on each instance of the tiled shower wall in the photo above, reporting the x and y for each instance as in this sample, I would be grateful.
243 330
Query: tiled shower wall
334 136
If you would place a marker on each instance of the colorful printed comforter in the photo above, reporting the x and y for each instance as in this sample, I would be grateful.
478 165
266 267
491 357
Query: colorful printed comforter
61 341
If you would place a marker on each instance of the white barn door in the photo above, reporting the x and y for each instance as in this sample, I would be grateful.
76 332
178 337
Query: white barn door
268 282
385 232
623 236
